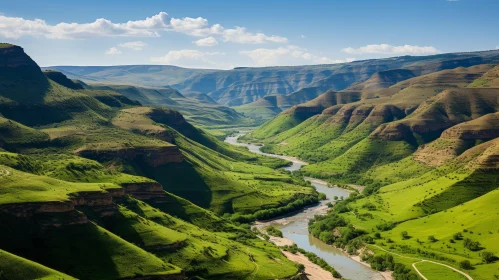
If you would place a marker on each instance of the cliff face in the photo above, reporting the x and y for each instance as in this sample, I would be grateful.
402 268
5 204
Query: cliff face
64 213
152 156
21 79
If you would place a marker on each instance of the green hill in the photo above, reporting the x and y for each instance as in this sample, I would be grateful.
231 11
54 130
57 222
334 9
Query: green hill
200 110
95 186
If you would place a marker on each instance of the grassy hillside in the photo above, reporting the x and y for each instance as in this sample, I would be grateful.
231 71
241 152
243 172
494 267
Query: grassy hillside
14 267
95 186
344 141
200 110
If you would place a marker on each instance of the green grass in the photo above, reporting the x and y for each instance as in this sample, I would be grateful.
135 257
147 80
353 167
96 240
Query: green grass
277 125
21 187
437 272
14 267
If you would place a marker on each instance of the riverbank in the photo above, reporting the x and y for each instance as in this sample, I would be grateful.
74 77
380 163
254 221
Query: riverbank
312 271
294 226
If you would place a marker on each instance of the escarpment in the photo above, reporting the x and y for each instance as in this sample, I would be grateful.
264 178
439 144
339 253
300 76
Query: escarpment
21 79
152 156
63 213
103 204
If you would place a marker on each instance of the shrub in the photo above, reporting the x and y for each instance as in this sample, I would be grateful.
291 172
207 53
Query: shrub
471 245
465 265
405 235
273 231
432 238
488 257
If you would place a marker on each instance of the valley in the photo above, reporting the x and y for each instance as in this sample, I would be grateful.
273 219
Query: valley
249 141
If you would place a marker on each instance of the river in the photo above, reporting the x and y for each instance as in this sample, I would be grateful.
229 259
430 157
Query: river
296 225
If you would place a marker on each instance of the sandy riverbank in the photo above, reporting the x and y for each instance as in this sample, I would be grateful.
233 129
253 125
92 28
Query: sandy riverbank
313 271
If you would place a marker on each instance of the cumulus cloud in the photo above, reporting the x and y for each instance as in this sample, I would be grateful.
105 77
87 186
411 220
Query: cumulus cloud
136 46
288 55
188 58
240 35
15 27
206 42
113 51
389 49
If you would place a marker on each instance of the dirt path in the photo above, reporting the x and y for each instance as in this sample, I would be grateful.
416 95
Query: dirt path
423 260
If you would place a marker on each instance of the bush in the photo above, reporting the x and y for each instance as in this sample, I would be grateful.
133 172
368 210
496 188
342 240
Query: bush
273 231
405 235
465 265
488 257
457 236
471 245
432 238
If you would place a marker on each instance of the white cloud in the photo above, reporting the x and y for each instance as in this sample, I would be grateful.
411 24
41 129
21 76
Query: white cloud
388 49
288 55
15 27
113 51
302 36
136 46
206 42
188 58
240 35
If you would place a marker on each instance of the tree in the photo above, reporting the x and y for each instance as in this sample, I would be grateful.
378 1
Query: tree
488 257
432 238
465 265
471 245
301 268
405 235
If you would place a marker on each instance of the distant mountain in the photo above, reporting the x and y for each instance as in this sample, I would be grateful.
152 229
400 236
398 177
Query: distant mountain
144 75
245 85
200 109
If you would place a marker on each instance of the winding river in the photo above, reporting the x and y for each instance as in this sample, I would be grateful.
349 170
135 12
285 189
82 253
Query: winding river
296 225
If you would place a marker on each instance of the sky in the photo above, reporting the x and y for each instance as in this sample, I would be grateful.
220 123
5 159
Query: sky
222 34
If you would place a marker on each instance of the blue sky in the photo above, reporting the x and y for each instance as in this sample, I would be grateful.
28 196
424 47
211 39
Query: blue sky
226 34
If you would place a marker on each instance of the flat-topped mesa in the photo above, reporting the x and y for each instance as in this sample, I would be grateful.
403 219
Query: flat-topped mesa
20 75
152 156
14 57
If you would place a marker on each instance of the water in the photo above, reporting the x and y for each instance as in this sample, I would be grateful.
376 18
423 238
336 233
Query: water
296 227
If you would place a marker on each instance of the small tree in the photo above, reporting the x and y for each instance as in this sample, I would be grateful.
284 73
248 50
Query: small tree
465 265
405 235
488 257
301 268
432 238
457 236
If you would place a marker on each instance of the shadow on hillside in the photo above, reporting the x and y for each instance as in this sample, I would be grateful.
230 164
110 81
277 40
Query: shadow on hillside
79 250
183 180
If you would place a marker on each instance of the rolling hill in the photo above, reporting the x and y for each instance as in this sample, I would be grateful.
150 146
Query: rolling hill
96 186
